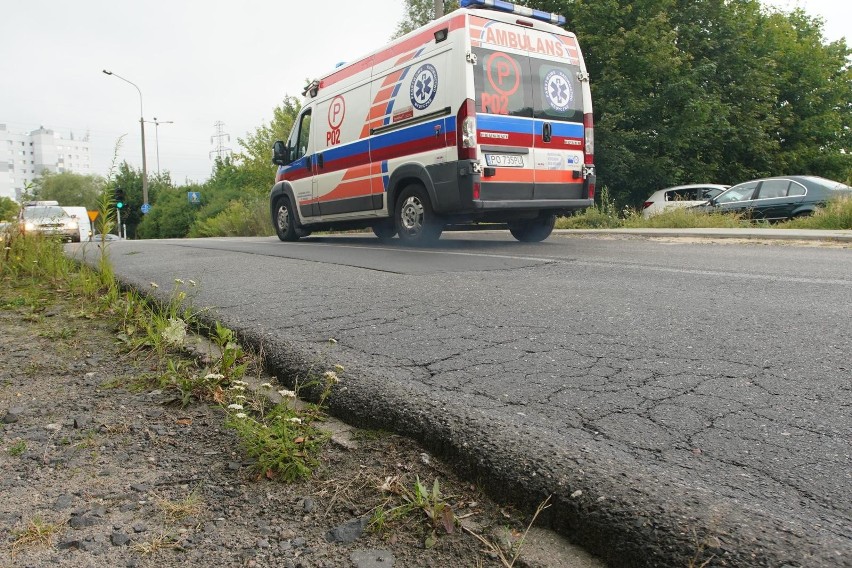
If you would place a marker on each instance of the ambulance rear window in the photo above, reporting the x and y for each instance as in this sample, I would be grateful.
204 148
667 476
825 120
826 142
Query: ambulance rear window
518 85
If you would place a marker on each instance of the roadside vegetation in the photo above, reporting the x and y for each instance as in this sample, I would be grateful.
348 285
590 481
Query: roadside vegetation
837 215
281 435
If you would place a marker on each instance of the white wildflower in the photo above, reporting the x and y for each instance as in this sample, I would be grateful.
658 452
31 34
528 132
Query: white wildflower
235 406
179 281
331 377
266 385
241 415
338 368
175 332
192 283
154 285
332 340
240 397
242 383
287 393
239 388
214 376
295 420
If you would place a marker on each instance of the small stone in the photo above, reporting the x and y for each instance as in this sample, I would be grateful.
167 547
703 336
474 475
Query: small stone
139 487
63 502
53 427
68 544
234 466
139 527
308 505
372 559
119 539
13 415
81 521
81 422
263 543
350 531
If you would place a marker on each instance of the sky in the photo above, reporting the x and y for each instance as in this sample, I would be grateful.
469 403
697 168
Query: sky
196 63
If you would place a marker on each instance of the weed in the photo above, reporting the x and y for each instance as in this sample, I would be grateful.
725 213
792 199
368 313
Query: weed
36 533
514 549
419 499
190 506
157 543
17 448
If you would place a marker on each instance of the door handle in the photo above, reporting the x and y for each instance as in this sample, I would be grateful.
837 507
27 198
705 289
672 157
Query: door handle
307 162
547 132
320 160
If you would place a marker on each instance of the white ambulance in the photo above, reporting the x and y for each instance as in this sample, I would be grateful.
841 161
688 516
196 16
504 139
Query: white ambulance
482 116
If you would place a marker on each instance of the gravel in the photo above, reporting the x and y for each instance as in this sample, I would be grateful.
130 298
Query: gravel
113 477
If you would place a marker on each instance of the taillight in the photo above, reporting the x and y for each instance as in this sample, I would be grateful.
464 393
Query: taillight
476 189
589 135
466 130
647 204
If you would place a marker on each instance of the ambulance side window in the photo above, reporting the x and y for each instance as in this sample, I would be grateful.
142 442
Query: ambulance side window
304 135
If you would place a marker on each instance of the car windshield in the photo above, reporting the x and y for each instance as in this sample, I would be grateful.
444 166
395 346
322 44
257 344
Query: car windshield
44 212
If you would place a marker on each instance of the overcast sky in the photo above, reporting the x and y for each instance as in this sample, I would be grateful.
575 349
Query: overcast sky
196 63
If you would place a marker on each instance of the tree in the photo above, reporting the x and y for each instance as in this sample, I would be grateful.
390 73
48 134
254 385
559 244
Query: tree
256 159
8 209
67 188
419 13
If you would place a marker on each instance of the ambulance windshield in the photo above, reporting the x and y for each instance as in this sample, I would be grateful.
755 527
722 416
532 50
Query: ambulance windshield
519 85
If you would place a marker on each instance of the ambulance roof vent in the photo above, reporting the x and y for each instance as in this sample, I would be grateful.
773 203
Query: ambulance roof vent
511 8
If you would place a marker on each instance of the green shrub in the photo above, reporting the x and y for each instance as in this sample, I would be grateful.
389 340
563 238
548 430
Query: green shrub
238 219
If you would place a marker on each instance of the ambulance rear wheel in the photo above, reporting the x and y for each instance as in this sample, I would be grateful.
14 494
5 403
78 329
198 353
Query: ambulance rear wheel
385 230
533 230
416 223
285 220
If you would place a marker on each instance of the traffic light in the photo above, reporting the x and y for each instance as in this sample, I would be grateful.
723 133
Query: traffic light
119 198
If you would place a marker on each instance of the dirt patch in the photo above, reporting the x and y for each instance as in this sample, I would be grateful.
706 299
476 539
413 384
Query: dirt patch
98 469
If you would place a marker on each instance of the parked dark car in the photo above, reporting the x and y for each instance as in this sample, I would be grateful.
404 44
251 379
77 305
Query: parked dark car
777 198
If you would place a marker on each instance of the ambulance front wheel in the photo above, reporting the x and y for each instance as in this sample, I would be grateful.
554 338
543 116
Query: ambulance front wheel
285 220
416 223
533 230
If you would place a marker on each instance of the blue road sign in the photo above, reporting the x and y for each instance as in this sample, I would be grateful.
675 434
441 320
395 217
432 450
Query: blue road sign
194 196
146 207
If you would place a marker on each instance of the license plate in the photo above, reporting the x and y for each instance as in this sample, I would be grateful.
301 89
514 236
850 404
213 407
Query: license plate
504 160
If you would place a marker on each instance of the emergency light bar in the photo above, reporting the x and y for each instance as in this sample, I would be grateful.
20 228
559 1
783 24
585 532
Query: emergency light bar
504 6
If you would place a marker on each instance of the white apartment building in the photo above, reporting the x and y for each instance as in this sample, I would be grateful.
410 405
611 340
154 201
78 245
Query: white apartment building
23 157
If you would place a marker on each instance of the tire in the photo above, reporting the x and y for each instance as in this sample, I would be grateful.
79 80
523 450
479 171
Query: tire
533 230
416 223
385 230
285 220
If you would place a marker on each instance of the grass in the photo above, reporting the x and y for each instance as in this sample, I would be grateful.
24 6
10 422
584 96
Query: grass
18 448
36 533
190 506
836 215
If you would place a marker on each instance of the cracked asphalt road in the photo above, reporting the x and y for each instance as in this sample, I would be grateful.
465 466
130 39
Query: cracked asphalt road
679 401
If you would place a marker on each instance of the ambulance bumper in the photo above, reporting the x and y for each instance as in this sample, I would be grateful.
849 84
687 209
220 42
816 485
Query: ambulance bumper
527 204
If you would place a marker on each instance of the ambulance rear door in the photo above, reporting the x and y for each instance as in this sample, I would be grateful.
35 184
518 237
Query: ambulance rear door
529 111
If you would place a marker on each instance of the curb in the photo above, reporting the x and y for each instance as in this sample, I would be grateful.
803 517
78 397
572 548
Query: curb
751 234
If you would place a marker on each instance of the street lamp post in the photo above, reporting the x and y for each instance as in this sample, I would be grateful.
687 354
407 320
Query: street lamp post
157 138
142 125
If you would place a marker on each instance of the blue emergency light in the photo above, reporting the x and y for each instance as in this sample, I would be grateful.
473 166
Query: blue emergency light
504 6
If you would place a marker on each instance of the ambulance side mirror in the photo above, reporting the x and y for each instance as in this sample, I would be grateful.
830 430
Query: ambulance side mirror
280 153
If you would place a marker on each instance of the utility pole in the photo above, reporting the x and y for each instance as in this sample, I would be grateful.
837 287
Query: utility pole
439 9
218 140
